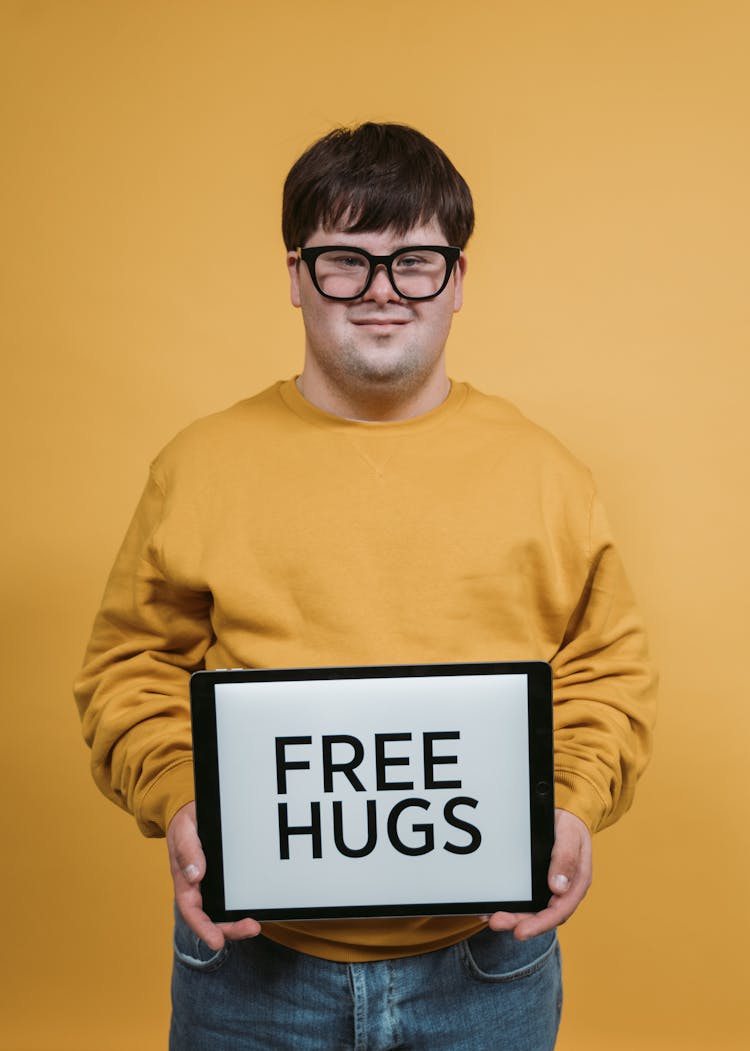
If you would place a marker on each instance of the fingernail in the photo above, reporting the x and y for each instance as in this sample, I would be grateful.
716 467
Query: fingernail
484 918
560 882
190 872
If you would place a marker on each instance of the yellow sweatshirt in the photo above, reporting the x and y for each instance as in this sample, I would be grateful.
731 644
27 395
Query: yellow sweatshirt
276 535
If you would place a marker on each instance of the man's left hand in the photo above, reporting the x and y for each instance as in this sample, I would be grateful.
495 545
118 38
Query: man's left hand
569 878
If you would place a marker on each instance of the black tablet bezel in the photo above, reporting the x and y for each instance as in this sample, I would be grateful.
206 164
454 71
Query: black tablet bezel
208 804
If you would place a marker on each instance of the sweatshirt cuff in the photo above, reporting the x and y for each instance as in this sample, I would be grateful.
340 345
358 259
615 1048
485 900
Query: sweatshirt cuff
578 796
164 797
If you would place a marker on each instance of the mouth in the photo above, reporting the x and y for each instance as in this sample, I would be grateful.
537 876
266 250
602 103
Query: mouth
379 322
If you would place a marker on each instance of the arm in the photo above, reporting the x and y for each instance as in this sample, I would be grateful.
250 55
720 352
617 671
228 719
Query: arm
133 690
133 696
604 691
604 706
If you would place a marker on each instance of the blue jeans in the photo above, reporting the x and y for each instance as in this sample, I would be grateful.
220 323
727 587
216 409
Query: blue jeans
489 992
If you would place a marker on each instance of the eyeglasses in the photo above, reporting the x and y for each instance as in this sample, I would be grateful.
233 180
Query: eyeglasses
343 272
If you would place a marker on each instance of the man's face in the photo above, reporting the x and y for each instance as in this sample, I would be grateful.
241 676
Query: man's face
380 345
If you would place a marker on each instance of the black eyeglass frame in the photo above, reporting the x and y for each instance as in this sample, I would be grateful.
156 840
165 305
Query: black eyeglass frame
450 253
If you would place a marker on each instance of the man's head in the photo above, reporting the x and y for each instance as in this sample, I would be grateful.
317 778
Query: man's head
375 177
375 219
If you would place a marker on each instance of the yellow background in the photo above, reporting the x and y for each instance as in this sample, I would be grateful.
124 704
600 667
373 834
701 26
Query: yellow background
144 148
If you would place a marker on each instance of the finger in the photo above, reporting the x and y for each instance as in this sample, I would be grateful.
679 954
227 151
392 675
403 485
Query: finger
557 912
505 921
190 906
239 929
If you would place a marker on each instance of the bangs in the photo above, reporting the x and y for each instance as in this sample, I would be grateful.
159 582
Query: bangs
374 208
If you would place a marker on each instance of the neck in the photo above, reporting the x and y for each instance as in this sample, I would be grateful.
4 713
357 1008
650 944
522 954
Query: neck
380 405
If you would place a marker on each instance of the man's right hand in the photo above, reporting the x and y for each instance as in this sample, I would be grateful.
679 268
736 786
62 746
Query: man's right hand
188 864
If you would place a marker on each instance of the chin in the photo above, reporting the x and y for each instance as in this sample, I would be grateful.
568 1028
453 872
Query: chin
383 365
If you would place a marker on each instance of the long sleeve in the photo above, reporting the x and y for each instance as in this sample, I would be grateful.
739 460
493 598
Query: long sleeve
604 691
133 690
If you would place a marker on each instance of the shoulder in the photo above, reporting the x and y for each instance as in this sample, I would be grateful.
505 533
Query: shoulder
501 426
223 436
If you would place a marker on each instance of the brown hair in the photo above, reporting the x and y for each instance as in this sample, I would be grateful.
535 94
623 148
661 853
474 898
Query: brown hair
375 177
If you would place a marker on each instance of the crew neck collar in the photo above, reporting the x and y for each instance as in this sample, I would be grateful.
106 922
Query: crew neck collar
303 408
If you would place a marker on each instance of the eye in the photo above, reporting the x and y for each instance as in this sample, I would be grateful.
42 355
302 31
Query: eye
409 262
419 261
345 262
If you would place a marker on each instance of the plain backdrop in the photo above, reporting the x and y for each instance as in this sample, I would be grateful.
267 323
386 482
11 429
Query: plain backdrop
143 284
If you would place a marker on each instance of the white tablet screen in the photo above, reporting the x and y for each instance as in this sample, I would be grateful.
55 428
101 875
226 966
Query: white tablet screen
396 791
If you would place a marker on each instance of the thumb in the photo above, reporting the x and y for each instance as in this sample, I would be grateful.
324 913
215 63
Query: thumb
566 853
192 872
186 853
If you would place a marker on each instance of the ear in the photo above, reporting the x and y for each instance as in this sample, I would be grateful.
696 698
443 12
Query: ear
459 272
293 263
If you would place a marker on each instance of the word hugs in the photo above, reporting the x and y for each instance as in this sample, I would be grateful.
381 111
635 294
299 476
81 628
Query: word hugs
341 792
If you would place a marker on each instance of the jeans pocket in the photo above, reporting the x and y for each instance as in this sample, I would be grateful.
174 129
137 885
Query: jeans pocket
496 956
192 951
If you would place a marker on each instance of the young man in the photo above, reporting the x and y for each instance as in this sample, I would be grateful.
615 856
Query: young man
368 512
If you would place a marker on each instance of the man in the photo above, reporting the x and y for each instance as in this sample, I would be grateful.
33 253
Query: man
368 512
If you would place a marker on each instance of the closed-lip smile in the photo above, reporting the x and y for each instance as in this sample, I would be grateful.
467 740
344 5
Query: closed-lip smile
380 321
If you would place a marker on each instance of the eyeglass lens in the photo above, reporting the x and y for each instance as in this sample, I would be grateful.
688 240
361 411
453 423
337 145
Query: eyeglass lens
417 273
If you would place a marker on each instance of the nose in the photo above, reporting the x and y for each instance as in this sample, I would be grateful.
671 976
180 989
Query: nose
381 290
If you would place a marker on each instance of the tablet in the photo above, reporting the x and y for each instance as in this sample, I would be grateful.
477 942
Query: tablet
398 790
